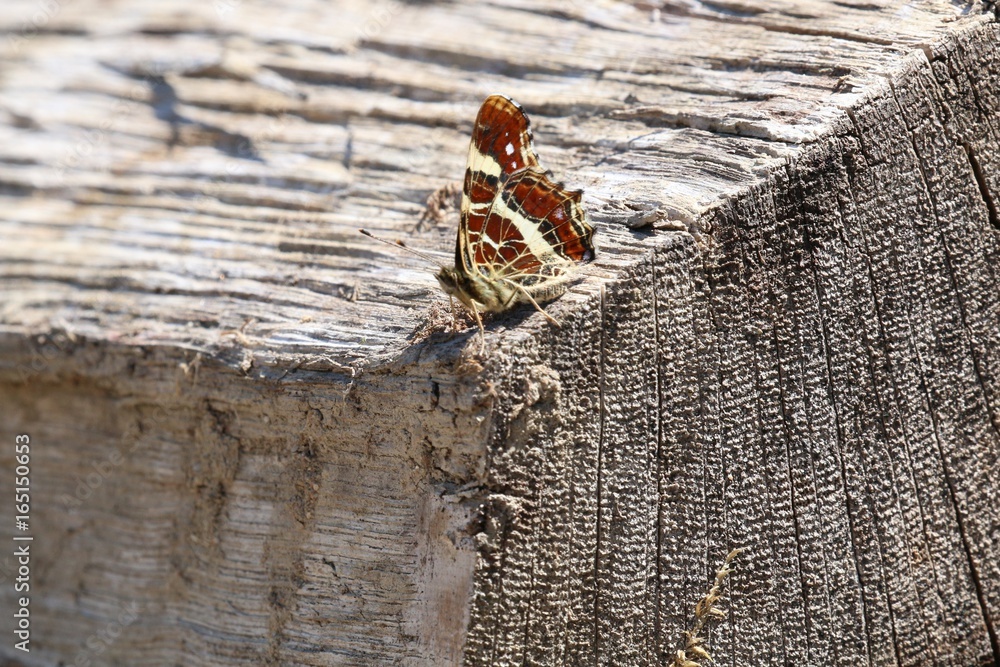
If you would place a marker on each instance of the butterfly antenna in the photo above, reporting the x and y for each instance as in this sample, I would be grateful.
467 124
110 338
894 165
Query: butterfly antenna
399 244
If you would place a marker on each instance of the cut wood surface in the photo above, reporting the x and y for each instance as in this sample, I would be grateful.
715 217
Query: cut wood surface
256 438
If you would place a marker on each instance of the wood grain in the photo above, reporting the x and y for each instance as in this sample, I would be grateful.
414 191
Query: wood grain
256 442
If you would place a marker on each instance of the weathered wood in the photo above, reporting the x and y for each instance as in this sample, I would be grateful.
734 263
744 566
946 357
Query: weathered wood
245 449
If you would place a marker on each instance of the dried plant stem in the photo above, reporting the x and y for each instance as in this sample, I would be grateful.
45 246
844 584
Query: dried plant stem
694 646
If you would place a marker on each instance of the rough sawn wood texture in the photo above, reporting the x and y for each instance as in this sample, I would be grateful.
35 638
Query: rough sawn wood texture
252 443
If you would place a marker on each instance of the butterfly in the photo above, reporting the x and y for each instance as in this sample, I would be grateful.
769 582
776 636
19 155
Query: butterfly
521 235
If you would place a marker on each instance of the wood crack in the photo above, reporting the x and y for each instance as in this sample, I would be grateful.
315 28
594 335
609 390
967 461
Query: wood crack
473 62
658 505
796 522
600 478
730 14
872 282
658 117
853 530
984 189
957 501
971 561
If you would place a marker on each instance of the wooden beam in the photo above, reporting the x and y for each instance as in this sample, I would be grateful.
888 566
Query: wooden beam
257 438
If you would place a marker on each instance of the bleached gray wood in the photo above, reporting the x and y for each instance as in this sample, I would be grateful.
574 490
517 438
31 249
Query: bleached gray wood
247 450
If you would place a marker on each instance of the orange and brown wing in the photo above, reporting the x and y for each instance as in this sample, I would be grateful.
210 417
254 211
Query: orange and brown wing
517 223
500 146
535 227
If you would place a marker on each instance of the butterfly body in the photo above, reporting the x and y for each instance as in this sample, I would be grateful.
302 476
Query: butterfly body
521 234
476 292
493 294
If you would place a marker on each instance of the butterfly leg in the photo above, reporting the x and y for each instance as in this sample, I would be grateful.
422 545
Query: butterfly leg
533 302
454 313
482 331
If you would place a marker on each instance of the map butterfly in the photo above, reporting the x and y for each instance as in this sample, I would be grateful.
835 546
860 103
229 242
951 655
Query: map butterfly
521 234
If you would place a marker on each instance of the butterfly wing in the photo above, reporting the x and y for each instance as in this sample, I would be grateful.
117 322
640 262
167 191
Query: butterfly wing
500 146
535 230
